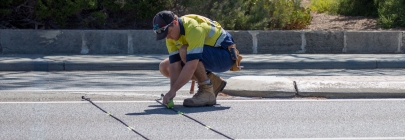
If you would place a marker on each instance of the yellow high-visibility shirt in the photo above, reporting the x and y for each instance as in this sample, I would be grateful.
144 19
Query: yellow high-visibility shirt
196 31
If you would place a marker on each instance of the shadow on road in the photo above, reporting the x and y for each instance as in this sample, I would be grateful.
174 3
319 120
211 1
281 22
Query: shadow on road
159 109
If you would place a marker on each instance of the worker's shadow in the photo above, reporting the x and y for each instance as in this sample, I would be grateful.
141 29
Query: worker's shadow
160 109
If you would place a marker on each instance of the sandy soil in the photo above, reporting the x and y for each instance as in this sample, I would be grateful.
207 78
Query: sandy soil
321 21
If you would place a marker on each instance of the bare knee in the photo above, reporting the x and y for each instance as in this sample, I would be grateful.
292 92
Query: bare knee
164 67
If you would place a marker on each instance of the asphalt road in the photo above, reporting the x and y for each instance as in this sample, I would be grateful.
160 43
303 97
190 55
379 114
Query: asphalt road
238 119
47 105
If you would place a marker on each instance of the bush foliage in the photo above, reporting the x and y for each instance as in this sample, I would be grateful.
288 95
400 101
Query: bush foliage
232 14
389 13
324 6
138 14
252 14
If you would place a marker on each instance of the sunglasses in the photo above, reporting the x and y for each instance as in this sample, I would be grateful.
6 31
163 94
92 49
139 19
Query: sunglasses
158 30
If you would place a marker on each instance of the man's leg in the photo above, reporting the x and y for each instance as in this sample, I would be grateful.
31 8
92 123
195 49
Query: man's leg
205 95
164 67
216 59
218 83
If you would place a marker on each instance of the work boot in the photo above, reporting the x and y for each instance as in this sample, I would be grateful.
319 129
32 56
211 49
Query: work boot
217 82
204 97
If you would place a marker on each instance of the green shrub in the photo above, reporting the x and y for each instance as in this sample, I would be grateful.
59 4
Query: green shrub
60 10
324 6
345 7
391 13
141 9
95 13
111 14
99 16
357 8
235 15
287 14
231 14
251 14
6 6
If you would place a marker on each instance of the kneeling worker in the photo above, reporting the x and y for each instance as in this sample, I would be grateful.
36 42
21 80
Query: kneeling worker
197 47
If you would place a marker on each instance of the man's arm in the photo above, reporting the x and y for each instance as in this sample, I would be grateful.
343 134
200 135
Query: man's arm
184 74
183 53
176 67
179 77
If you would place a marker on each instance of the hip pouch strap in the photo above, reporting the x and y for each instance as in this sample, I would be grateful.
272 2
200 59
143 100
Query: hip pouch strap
235 56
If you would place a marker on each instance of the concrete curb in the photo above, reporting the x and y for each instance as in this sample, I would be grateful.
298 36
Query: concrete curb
260 86
351 86
319 86
152 61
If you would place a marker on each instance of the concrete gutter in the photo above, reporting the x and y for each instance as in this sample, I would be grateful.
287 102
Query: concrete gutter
151 62
79 62
317 86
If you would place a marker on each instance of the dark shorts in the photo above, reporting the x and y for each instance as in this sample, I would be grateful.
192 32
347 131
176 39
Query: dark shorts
218 59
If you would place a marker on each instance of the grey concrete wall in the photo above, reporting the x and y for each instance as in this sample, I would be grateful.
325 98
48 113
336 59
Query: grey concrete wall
144 42
248 42
324 42
243 41
402 48
276 42
105 42
372 42
1 46
40 41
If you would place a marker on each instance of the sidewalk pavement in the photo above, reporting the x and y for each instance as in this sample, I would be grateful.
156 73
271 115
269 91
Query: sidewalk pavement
252 86
151 62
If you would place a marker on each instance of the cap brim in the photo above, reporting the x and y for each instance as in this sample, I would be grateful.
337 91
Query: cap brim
161 35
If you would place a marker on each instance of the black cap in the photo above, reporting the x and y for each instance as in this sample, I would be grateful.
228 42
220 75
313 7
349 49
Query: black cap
160 20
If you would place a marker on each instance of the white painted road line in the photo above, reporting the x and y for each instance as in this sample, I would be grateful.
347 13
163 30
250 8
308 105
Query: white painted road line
180 101
348 138
84 90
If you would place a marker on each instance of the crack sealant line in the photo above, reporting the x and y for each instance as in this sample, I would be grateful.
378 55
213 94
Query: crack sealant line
119 120
185 115
296 88
64 65
376 63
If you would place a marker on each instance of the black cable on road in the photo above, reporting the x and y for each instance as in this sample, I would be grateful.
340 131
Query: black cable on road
109 114
185 115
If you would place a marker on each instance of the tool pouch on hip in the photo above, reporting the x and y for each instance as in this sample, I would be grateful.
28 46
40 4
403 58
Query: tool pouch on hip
235 56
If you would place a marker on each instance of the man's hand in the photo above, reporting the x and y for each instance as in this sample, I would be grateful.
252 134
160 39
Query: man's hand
168 96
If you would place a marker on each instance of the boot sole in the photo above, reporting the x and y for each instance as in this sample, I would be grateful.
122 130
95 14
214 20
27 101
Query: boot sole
222 86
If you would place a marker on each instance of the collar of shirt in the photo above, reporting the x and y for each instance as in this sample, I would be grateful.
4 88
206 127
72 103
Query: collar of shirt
182 32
